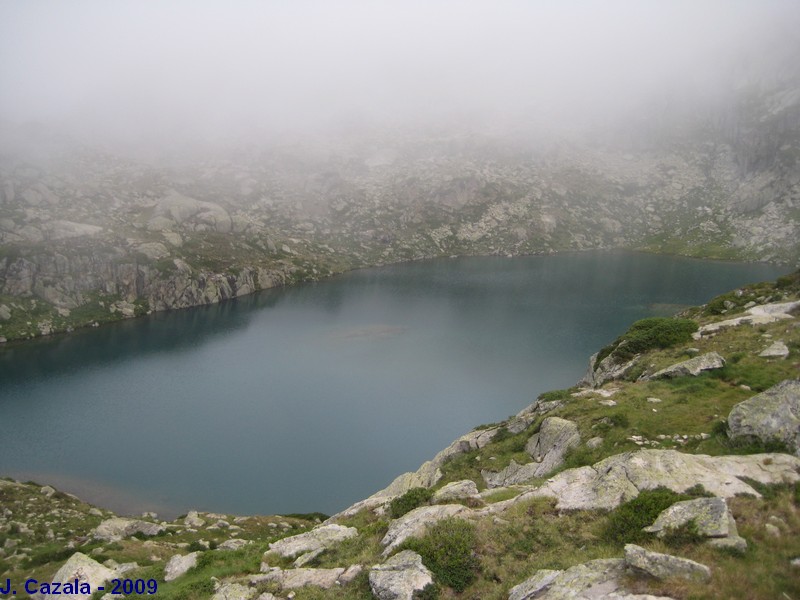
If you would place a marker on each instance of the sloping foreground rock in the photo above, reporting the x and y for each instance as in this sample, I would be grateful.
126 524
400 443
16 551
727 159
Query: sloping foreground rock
620 478
665 566
415 522
83 569
592 580
323 536
692 367
547 448
399 577
118 528
771 416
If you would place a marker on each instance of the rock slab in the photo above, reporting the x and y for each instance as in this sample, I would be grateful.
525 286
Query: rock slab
771 416
399 577
665 566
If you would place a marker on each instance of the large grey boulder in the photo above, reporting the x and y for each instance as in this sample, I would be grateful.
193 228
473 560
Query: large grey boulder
455 490
665 566
554 438
692 367
416 522
324 536
399 577
180 564
118 528
710 515
83 569
771 416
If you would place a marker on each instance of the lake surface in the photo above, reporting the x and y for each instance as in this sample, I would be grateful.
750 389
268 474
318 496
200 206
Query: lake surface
313 397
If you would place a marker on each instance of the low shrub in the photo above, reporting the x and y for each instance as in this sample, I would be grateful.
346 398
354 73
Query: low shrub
625 523
648 334
413 498
448 550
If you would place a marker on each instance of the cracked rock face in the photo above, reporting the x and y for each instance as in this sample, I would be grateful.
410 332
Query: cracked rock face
771 416
547 448
178 565
399 577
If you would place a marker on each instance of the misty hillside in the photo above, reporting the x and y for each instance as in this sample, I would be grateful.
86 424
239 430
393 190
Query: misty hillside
130 185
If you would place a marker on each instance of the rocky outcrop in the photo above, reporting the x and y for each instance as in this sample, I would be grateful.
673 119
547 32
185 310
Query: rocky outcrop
399 577
711 517
297 578
234 591
429 473
665 566
777 349
83 569
324 536
692 367
118 528
756 315
620 478
607 369
415 522
771 416
179 565
547 447
595 579
456 490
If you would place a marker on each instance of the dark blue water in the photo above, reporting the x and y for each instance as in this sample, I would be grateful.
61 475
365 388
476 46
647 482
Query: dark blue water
310 398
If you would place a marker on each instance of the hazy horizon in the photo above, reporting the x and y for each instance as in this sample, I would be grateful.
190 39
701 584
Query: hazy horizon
158 73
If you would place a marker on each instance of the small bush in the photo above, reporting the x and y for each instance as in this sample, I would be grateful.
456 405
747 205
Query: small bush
413 498
555 395
429 592
448 551
685 535
625 523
